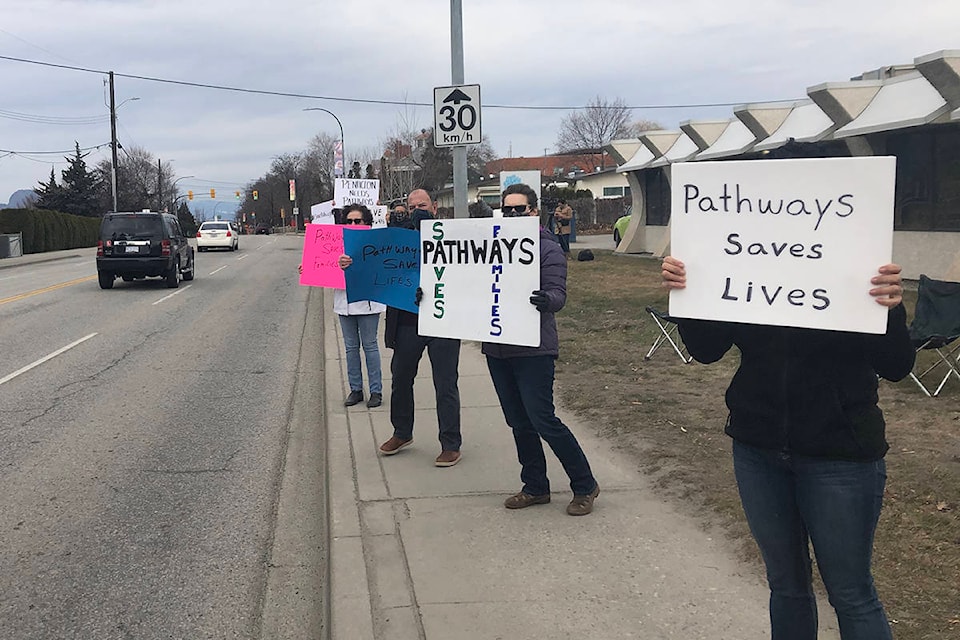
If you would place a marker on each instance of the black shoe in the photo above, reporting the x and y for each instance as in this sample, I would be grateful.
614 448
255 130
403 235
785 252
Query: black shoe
375 400
355 397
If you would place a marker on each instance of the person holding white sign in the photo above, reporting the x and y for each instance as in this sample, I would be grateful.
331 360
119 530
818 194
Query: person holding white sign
808 449
523 378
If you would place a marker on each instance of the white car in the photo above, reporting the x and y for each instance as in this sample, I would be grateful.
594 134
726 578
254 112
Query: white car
217 234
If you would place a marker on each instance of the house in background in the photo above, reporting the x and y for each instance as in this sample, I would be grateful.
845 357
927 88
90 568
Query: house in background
910 111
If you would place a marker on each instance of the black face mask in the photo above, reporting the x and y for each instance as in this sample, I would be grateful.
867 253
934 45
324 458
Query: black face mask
399 218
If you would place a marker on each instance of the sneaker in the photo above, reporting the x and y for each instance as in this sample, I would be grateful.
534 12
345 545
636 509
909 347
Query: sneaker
447 459
582 505
355 397
375 400
523 500
393 445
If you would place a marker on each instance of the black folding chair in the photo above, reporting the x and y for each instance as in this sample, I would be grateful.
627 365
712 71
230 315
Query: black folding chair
935 328
668 334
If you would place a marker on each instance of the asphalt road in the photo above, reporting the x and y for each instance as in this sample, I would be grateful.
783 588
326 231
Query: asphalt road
146 435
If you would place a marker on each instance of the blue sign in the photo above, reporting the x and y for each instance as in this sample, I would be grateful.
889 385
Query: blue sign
386 266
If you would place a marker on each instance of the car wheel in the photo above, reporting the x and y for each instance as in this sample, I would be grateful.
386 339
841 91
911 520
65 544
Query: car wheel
173 276
188 273
106 279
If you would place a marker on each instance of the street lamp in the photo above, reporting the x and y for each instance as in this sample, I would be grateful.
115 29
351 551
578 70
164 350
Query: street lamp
343 152
176 196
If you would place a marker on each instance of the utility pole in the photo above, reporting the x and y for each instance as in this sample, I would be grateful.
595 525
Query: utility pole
113 143
159 186
456 73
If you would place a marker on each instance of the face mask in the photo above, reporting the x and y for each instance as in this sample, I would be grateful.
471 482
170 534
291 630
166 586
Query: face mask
399 217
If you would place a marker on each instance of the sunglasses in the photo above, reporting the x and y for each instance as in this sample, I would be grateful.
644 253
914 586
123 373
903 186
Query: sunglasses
354 221
514 209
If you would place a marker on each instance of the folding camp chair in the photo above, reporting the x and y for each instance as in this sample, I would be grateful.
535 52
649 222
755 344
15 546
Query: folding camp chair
669 334
935 328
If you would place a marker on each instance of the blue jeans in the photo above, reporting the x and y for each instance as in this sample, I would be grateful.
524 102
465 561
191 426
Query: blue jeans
359 330
791 501
525 388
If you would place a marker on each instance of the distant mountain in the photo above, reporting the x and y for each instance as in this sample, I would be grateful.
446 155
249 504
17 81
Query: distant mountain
19 198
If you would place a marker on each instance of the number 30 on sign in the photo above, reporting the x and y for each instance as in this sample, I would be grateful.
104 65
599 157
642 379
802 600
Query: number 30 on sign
456 112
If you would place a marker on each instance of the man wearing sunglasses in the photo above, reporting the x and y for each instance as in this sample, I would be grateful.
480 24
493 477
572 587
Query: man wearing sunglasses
523 378
401 335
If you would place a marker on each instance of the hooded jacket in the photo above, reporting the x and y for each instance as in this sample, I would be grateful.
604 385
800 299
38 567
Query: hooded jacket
553 281
807 391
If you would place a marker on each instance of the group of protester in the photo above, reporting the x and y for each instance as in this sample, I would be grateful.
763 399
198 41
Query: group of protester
808 435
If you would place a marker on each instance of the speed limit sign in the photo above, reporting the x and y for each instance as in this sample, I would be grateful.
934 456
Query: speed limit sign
456 115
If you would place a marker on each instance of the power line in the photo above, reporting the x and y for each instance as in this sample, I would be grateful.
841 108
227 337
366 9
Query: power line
374 101
66 120
41 153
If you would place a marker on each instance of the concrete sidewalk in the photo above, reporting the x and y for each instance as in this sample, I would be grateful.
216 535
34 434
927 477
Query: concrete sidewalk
420 552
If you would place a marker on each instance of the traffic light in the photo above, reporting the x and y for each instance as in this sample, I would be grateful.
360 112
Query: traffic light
256 194
213 194
189 195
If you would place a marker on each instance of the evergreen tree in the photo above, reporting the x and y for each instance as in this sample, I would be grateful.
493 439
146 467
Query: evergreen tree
80 187
50 195
186 220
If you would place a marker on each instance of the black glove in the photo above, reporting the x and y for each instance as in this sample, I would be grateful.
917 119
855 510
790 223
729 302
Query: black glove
539 300
418 297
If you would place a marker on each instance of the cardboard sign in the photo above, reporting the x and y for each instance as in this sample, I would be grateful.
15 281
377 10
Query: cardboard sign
349 190
386 266
322 213
379 215
477 276
783 242
322 248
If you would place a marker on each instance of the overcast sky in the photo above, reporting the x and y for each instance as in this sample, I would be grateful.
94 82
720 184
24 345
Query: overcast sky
521 52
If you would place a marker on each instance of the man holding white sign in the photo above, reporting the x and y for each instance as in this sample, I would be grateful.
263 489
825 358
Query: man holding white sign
808 436
523 377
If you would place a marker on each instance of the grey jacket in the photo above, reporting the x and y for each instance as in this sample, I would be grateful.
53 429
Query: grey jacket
553 280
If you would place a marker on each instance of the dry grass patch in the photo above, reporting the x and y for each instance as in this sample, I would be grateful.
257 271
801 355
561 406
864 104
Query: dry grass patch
670 416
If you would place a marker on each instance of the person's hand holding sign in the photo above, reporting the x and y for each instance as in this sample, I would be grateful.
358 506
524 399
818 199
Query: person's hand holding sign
345 261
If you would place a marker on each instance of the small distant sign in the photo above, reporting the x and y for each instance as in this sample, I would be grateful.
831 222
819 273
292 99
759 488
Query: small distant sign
456 115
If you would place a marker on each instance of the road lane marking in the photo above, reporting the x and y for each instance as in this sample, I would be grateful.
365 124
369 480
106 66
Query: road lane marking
54 287
175 293
220 269
44 359
243 256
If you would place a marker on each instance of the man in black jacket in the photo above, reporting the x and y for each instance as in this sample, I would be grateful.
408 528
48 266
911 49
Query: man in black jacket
401 335
523 378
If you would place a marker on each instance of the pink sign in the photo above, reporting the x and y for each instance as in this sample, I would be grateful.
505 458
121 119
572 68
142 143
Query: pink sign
322 248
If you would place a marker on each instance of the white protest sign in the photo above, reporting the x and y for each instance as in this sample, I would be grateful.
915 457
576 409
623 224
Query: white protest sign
322 213
379 215
349 190
477 276
783 242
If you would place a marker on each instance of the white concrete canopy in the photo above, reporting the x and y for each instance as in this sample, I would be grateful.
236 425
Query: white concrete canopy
640 159
622 150
905 101
806 123
763 118
704 132
844 101
955 115
681 151
942 70
735 140
659 141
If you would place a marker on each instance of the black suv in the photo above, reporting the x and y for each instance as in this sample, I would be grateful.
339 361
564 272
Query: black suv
137 245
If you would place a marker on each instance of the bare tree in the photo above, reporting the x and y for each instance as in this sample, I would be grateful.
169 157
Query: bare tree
635 128
588 129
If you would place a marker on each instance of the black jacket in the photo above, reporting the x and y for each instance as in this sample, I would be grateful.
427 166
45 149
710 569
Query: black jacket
807 391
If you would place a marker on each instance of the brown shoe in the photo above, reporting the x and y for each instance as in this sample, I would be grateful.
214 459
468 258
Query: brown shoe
447 459
582 505
523 500
393 445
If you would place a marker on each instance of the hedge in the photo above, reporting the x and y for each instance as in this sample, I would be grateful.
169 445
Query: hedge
50 230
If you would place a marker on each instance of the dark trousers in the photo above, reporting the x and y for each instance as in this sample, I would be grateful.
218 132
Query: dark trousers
525 388
444 354
564 239
791 501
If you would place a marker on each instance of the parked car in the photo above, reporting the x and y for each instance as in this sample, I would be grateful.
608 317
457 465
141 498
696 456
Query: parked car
138 245
620 228
217 234
263 229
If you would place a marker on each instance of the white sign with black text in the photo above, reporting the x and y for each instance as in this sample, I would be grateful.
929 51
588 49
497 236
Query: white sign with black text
783 242
477 276
456 115
349 190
